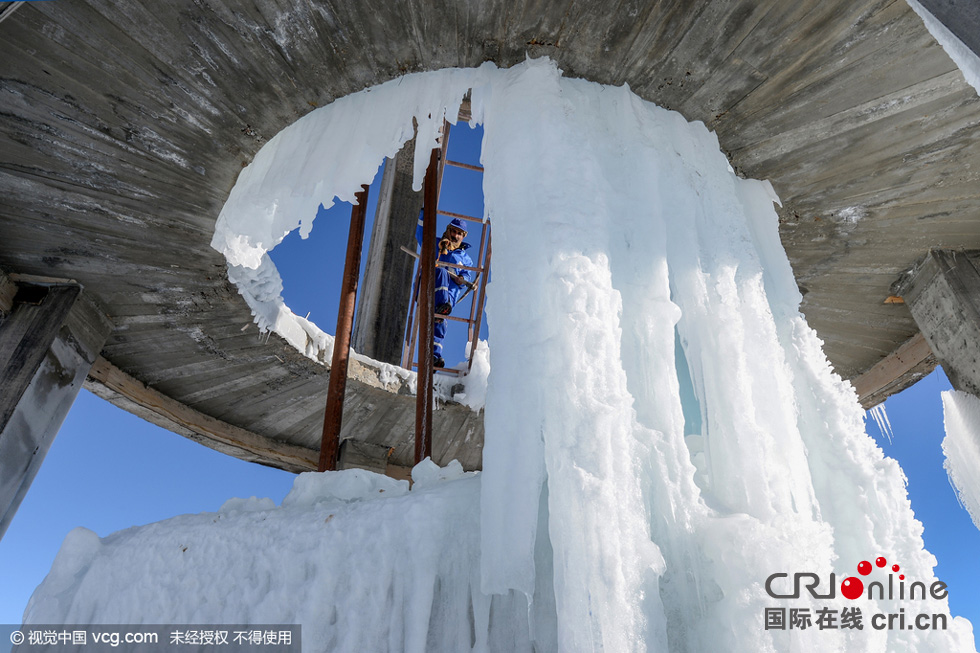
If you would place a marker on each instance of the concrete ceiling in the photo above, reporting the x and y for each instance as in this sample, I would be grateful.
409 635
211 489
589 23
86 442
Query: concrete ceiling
123 126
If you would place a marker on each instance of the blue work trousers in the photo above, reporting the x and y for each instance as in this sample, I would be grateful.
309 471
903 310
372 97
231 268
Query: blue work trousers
447 292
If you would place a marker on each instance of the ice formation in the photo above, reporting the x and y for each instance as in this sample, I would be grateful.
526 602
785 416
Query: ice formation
964 58
663 431
961 446
880 417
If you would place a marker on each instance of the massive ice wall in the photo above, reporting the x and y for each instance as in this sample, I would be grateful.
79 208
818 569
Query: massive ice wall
631 268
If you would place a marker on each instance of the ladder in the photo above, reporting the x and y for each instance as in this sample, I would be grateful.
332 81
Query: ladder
410 349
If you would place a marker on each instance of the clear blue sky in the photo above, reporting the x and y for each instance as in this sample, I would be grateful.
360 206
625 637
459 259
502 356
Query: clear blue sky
109 470
916 417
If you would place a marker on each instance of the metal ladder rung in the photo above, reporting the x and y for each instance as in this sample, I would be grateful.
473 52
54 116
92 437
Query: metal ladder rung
466 166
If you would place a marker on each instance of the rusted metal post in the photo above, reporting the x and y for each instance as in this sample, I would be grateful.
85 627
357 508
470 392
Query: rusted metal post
333 414
427 308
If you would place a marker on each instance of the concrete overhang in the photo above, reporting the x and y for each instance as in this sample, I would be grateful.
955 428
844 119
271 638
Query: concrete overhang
123 127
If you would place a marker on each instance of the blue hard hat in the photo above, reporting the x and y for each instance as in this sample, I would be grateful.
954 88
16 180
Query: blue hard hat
458 224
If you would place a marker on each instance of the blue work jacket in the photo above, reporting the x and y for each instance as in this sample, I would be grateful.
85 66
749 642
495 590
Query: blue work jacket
457 257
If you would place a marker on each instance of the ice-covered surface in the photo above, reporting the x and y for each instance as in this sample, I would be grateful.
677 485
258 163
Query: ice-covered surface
352 556
880 417
631 268
474 392
311 488
964 58
961 446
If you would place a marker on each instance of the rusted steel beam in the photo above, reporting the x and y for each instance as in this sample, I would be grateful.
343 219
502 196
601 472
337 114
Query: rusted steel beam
334 412
443 264
451 318
465 166
427 308
461 216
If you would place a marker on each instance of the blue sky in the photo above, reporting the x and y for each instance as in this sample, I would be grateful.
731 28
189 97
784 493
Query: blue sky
108 470
916 417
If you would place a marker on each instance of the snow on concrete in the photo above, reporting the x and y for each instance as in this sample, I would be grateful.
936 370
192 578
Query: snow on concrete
961 446
645 318
964 58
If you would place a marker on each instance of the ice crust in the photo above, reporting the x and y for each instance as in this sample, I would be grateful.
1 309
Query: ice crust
964 58
961 446
619 232
363 566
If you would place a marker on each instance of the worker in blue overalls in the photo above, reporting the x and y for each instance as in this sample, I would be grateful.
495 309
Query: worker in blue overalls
450 282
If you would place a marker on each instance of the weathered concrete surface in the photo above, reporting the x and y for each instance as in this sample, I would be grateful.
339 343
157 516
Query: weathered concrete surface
48 342
905 366
943 293
382 305
123 126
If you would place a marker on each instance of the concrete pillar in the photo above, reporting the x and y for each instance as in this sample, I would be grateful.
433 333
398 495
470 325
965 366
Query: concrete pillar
384 298
943 294
49 338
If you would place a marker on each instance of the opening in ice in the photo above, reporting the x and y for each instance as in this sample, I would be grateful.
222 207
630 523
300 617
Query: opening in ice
664 438
311 268
305 262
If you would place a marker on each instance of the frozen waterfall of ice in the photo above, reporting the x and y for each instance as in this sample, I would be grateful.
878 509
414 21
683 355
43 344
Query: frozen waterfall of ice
631 268
961 446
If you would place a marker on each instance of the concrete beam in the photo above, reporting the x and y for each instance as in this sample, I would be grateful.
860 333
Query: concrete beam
115 386
363 455
386 292
900 369
943 294
47 345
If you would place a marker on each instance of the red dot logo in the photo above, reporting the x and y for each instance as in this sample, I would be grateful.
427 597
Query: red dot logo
864 567
852 587
901 577
895 567
881 562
